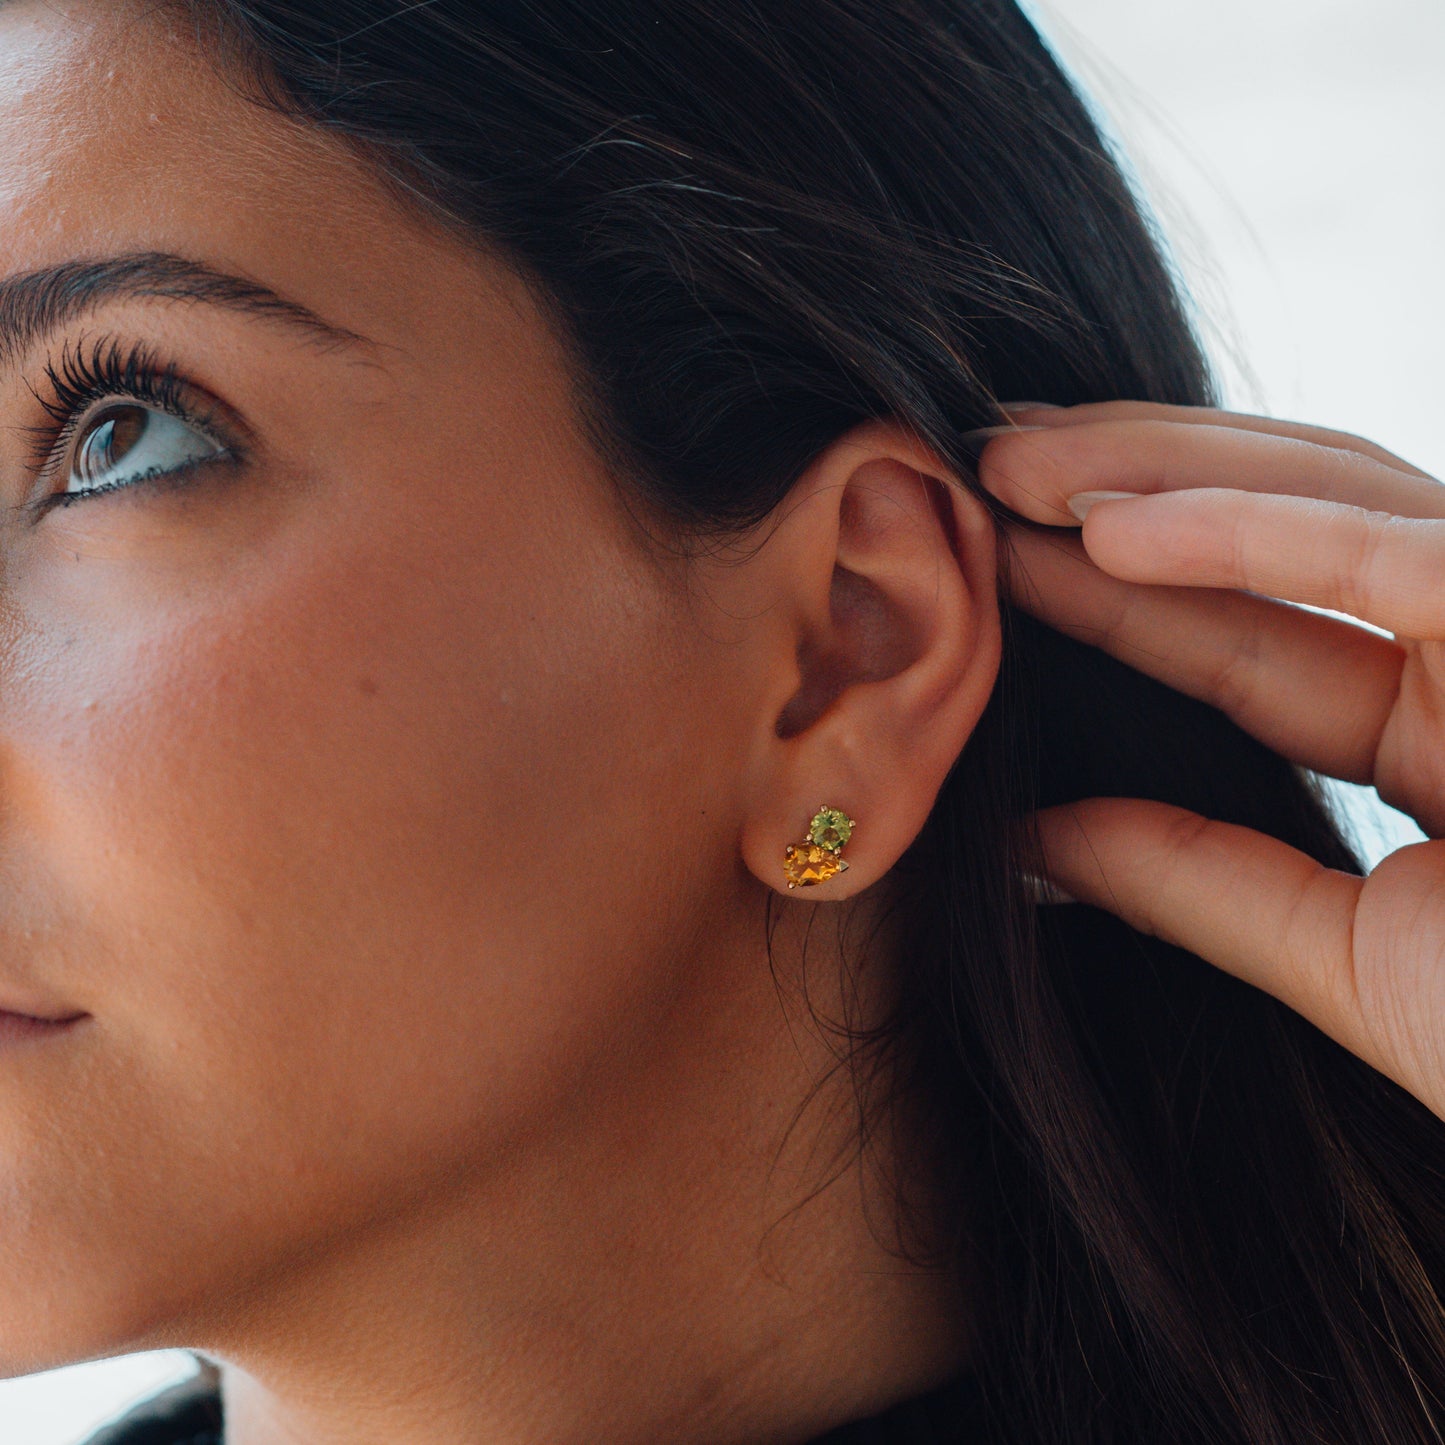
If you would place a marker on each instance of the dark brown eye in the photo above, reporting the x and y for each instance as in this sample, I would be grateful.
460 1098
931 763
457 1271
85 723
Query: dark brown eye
127 443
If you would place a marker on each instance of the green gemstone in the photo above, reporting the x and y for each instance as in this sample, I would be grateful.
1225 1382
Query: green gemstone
830 828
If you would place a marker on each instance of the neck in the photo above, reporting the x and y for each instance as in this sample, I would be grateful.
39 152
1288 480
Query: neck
692 1252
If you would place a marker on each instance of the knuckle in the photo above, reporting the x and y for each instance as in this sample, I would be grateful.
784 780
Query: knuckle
1360 575
1351 441
1124 617
1299 963
1177 836
1181 832
1232 682
1240 539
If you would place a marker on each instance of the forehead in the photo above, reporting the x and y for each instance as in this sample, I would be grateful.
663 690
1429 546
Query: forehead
118 135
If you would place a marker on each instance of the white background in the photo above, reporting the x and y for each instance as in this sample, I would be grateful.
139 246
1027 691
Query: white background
1292 151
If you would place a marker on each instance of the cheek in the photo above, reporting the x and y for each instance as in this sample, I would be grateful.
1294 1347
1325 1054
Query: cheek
339 855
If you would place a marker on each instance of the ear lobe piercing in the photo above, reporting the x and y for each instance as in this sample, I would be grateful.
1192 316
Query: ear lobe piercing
816 859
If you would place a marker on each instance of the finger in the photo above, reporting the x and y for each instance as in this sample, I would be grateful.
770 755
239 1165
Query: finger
1042 414
1381 568
1246 902
1265 664
1035 472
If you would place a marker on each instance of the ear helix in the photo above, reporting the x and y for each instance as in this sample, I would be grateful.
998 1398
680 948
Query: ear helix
818 857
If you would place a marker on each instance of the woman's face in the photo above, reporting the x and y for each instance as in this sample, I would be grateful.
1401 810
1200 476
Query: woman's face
348 777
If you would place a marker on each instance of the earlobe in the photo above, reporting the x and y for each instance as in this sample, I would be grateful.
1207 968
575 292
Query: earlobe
886 566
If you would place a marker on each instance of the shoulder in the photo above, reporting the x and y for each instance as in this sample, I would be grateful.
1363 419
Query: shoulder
190 1414
184 1414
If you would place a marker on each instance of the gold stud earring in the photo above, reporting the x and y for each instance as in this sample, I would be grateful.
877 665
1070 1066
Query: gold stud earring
816 859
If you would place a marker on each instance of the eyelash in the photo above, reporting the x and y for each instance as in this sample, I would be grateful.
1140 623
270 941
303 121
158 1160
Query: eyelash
108 372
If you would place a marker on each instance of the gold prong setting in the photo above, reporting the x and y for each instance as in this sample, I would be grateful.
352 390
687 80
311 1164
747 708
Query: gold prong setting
817 858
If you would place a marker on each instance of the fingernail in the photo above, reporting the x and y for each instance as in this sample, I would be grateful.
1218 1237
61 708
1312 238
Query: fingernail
1041 890
975 441
997 431
1080 502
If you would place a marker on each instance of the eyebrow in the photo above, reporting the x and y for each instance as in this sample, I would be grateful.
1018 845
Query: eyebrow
36 304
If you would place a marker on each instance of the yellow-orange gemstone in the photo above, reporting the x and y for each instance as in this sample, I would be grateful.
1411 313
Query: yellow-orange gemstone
806 863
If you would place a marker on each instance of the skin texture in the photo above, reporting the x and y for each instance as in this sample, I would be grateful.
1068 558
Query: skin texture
399 819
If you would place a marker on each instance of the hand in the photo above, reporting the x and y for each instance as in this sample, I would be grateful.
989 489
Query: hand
1181 582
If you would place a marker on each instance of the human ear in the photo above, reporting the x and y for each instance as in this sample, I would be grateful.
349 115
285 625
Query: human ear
881 647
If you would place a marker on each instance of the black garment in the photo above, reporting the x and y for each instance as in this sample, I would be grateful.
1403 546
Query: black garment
190 1414
184 1414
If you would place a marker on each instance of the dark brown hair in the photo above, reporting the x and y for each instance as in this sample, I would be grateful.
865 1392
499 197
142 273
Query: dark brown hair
1184 1213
